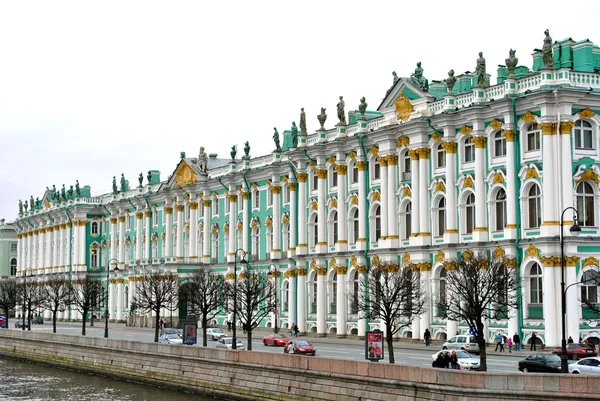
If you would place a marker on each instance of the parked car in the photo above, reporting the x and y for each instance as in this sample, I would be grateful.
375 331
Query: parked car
466 361
300 347
464 342
19 324
275 339
549 363
214 333
589 366
227 343
170 338
169 331
37 320
577 351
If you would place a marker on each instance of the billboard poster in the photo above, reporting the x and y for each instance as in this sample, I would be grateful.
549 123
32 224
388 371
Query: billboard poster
3 324
189 334
374 345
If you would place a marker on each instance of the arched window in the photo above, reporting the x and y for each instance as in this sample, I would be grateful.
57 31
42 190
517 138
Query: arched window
270 244
533 138
354 225
470 214
442 291
469 151
334 178
286 237
376 224
440 156
333 292
155 249
584 135
13 267
499 144
256 199
406 221
94 228
590 280
286 295
215 247
312 287
440 216
256 243
314 230
335 227
534 207
332 228
314 181
536 280
240 238
216 207
499 205
585 205
354 293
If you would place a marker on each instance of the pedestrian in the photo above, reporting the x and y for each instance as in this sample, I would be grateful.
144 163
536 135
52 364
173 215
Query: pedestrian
295 330
439 361
499 342
427 337
517 341
570 340
228 325
454 360
160 324
447 360
533 342
510 345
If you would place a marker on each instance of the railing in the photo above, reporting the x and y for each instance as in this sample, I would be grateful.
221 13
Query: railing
464 100
495 92
530 82
436 106
585 79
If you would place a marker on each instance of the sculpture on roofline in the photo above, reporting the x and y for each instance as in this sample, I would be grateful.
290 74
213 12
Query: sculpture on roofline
418 79
70 192
362 107
302 122
31 202
77 189
276 139
25 206
123 183
63 192
202 160
115 190
38 202
450 81
547 57
395 77
322 118
233 152
247 150
511 63
149 177
53 191
141 179
20 206
340 111
480 70
294 134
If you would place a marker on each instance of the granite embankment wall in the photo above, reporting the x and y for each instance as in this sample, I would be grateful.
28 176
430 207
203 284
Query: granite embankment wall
247 375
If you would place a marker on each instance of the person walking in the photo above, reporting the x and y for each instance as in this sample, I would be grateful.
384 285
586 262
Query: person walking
570 340
499 342
427 337
533 342
510 345
454 360
517 341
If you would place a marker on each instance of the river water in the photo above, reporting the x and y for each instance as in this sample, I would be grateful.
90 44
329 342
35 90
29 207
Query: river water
28 382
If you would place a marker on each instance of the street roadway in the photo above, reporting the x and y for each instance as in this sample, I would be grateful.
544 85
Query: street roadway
404 352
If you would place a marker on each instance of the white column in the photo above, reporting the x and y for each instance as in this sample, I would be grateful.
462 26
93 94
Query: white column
232 199
180 209
301 248
82 245
111 300
321 245
481 229
426 291
44 235
121 241
148 244
246 222
550 306
276 246
292 315
342 222
341 299
119 299
415 193
392 204
424 212
321 302
19 251
193 237
451 233
362 212
301 317
384 197
550 223
76 238
206 230
113 237
61 245
293 219
56 242
511 186
572 299
362 276
139 234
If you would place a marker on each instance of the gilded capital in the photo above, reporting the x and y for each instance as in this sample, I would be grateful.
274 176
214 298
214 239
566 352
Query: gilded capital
382 161
392 160
509 135
449 147
244 195
414 154
206 202
193 205
292 186
321 173
360 165
301 177
423 153
566 127
139 215
232 198
276 189
179 208
121 219
341 169
479 142
548 128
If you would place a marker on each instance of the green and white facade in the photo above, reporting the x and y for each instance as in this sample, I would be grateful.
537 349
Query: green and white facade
8 249
481 168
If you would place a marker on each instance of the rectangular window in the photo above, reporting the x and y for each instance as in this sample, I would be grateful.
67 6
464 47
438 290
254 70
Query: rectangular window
13 247
256 199
441 157
469 151
286 194
533 141
500 146
315 182
270 198
216 207
354 174
155 218
376 171
406 163
334 178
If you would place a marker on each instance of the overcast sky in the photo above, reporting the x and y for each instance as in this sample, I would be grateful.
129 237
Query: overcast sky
89 90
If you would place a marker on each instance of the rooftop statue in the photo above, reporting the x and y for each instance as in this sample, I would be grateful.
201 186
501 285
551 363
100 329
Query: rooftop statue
302 122
362 107
25 206
149 177
123 183
115 190
38 202
294 134
276 139
450 81
322 118
395 77
63 192
202 160
77 189
70 192
233 152
340 111
31 202
480 70
247 150
141 179
182 155
418 78
53 190
511 63
547 57
20 206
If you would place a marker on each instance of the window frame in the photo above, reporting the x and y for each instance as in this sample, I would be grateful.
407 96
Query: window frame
579 135
534 131
468 150
586 204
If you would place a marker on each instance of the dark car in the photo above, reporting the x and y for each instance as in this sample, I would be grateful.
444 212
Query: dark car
277 340
37 320
549 363
19 324
577 351
300 347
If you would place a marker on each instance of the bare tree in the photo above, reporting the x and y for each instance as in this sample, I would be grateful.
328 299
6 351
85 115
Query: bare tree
255 300
204 292
482 288
29 297
392 294
57 296
83 293
155 292
8 296
590 281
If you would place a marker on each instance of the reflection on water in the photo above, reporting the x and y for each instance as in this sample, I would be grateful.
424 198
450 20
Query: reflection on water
29 382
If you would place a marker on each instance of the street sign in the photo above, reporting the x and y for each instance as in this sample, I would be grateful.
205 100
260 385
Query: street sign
374 346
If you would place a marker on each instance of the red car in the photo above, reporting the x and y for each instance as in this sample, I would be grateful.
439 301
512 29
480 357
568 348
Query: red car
577 351
300 347
277 340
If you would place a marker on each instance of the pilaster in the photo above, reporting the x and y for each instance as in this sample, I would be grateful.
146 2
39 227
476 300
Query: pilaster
276 248
481 230
302 247
451 233
342 171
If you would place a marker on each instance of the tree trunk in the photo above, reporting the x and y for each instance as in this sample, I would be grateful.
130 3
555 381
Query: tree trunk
6 312
390 342
92 317
204 342
156 325
84 321
29 319
249 338
54 313
480 338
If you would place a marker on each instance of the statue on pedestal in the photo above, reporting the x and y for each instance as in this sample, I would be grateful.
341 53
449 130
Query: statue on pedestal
418 79
233 152
322 118
77 189
202 160
547 57
480 70
25 206
123 183
450 81
31 202
115 190
276 140
302 122
340 111
247 150
149 177
395 77
362 107
53 191
20 206
63 192
182 155
511 63
294 134
70 192
141 179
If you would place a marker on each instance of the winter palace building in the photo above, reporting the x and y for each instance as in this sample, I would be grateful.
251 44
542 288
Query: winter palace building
439 168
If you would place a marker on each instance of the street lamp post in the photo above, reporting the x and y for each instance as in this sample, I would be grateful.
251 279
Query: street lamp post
275 273
574 230
233 321
106 314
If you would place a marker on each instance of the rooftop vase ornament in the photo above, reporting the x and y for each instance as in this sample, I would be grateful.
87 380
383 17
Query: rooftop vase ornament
480 70
450 81
202 160
322 118
123 183
340 111
418 79
233 152
247 150
141 179
362 107
115 190
294 134
276 140
20 206
302 122
547 51
77 189
149 177
511 63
